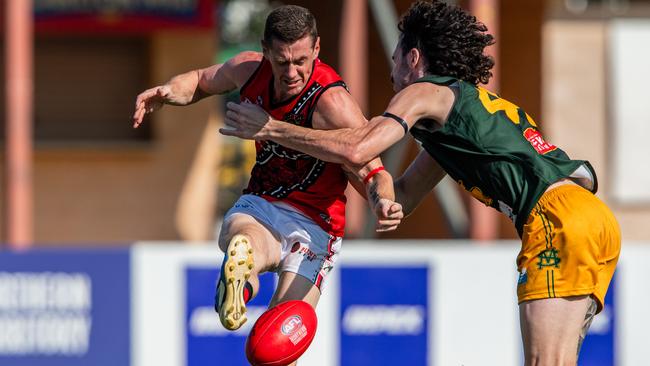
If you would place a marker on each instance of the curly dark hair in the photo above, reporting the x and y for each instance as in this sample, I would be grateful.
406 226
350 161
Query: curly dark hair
451 40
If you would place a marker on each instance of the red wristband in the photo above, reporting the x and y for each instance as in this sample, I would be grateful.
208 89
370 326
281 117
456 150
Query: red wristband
372 173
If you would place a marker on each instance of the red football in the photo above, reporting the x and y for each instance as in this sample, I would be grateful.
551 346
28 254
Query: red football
281 334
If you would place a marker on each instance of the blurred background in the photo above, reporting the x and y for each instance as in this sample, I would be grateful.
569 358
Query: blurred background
95 214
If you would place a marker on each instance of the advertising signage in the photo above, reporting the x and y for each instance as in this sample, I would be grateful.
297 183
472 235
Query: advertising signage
122 16
384 316
65 308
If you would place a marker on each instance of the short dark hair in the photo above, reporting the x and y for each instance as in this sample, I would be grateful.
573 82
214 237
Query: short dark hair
290 23
451 40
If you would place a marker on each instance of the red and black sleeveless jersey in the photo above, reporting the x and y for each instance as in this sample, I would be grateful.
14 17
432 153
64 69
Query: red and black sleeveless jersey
313 186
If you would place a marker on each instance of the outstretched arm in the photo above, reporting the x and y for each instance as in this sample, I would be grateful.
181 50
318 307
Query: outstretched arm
418 180
350 146
195 85
342 146
337 109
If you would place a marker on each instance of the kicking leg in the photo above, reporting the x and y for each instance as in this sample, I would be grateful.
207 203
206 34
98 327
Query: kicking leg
249 249
292 286
553 329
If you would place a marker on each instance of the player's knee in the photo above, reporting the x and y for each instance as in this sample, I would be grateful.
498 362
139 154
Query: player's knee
227 236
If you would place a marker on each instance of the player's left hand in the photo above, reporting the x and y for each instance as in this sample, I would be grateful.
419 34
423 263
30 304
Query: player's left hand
246 121
389 215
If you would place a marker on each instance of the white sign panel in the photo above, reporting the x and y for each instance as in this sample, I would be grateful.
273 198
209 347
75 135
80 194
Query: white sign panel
386 303
630 125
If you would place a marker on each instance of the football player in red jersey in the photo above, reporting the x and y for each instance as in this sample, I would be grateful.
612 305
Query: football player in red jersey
491 147
291 217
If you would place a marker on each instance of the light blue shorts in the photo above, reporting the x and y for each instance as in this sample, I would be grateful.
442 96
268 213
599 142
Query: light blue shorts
306 249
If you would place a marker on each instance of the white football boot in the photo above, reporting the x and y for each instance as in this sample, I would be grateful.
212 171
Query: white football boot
235 271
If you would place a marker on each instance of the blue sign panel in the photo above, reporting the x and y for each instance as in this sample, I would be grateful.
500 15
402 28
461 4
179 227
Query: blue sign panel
384 316
598 348
65 307
208 342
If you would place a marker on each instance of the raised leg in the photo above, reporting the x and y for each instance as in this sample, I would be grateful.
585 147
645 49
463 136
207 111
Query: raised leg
292 286
249 249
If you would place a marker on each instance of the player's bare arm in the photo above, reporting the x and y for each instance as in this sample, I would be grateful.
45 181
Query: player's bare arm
379 191
349 146
418 180
389 213
416 102
337 109
192 86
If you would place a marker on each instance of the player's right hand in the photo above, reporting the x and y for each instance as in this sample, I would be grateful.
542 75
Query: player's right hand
149 101
246 121
389 215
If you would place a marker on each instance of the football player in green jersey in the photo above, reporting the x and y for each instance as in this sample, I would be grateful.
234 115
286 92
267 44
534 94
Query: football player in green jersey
492 148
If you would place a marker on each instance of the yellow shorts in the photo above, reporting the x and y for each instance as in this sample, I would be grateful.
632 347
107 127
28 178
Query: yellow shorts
570 247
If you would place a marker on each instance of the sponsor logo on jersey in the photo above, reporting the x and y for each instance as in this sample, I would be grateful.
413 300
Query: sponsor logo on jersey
537 141
304 250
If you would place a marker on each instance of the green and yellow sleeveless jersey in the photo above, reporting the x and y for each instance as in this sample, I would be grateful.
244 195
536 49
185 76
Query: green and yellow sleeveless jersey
494 150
